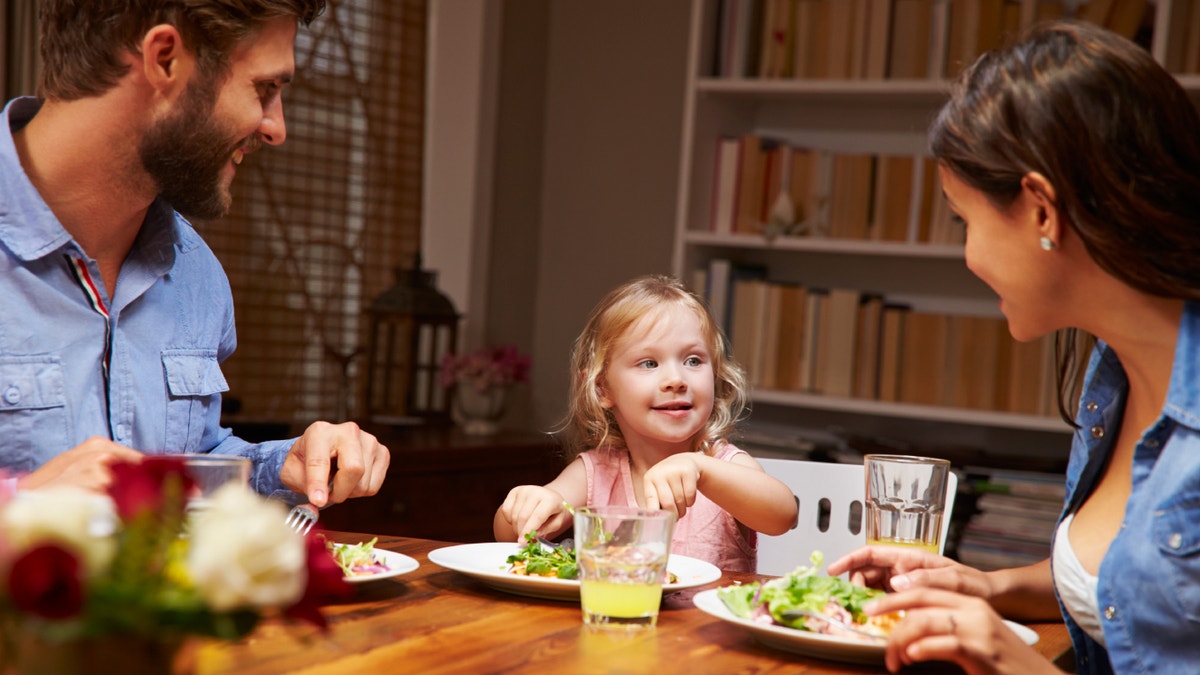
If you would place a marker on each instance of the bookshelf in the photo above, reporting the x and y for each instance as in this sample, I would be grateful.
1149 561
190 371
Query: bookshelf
878 109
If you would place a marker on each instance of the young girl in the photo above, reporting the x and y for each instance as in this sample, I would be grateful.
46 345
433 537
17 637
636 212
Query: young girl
653 399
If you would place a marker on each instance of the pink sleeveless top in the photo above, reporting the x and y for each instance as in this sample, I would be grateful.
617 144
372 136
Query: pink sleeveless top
706 531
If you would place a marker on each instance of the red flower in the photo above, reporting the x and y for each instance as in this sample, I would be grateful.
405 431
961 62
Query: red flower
45 581
325 584
138 486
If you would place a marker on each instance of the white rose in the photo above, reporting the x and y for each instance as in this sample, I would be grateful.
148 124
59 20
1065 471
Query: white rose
80 521
242 554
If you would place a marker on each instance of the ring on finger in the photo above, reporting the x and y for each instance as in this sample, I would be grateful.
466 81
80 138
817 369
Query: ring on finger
953 624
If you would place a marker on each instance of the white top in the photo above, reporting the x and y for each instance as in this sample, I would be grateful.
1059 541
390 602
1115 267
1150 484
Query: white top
1076 587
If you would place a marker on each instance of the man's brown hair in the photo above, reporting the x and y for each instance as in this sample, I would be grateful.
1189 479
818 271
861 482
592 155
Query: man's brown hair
82 42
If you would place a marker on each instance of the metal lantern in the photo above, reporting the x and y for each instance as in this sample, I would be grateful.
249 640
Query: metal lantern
412 327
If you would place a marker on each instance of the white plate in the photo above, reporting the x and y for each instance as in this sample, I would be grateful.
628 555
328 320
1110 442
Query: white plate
397 564
823 646
488 562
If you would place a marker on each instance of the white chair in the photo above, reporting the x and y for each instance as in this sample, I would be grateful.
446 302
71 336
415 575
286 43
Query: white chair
830 500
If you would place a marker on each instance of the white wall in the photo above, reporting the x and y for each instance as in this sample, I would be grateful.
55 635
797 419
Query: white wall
583 160
459 136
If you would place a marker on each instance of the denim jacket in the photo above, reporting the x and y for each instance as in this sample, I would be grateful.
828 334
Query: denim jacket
141 368
1149 580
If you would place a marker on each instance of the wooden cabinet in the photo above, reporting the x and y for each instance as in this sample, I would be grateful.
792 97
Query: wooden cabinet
445 485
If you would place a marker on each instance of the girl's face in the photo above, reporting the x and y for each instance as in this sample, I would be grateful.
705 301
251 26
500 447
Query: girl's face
1003 249
659 382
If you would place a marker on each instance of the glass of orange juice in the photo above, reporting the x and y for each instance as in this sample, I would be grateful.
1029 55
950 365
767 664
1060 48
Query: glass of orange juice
906 500
622 554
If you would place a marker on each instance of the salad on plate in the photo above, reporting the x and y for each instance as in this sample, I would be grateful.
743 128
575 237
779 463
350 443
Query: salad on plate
769 602
358 560
535 560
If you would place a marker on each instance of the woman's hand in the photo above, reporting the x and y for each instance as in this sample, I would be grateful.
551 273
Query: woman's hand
941 625
899 568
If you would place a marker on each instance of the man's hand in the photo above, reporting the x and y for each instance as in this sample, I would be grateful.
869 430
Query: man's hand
85 466
362 463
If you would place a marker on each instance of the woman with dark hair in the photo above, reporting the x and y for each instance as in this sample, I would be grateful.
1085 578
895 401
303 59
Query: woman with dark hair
1073 160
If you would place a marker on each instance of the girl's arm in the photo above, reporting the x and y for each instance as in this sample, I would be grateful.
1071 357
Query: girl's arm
537 507
740 486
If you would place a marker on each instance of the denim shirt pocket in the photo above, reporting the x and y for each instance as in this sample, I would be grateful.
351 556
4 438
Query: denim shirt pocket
33 410
1178 540
194 384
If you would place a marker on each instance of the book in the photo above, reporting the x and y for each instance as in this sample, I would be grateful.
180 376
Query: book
939 27
1126 17
720 272
725 184
768 357
748 316
878 39
891 208
792 308
806 28
815 308
891 342
997 502
923 358
1026 377
866 351
751 165
851 195
975 342
836 345
857 42
908 53
775 58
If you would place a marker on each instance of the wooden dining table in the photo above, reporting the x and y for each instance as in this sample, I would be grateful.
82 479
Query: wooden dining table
436 620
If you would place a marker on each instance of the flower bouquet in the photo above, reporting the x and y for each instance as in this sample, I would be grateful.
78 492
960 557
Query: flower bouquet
485 368
480 381
78 568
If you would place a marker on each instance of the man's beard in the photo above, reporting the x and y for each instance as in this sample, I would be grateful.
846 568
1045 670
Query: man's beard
185 154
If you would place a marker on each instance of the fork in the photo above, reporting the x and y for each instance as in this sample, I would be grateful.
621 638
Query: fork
301 518
797 612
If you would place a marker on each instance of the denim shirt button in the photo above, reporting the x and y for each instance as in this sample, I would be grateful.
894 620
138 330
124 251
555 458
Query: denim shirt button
1110 612
1092 407
1097 431
1175 541
12 395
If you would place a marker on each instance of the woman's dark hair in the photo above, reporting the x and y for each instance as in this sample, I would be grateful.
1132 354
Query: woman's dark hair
1110 129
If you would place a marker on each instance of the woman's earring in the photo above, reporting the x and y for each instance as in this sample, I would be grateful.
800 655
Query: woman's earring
1047 244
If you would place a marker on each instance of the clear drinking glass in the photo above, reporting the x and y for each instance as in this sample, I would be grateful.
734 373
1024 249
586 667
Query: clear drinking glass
622 554
906 500
210 472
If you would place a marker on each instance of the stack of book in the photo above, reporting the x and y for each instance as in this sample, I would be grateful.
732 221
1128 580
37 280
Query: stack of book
1016 513
843 342
898 39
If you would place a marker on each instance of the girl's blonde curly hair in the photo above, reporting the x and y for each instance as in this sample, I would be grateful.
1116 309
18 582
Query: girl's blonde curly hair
588 424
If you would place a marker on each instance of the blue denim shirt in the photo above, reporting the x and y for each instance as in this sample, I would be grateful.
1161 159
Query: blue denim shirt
1149 580
148 375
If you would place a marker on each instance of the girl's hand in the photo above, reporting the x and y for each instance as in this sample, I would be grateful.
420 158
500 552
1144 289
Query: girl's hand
671 484
533 507
899 568
942 625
